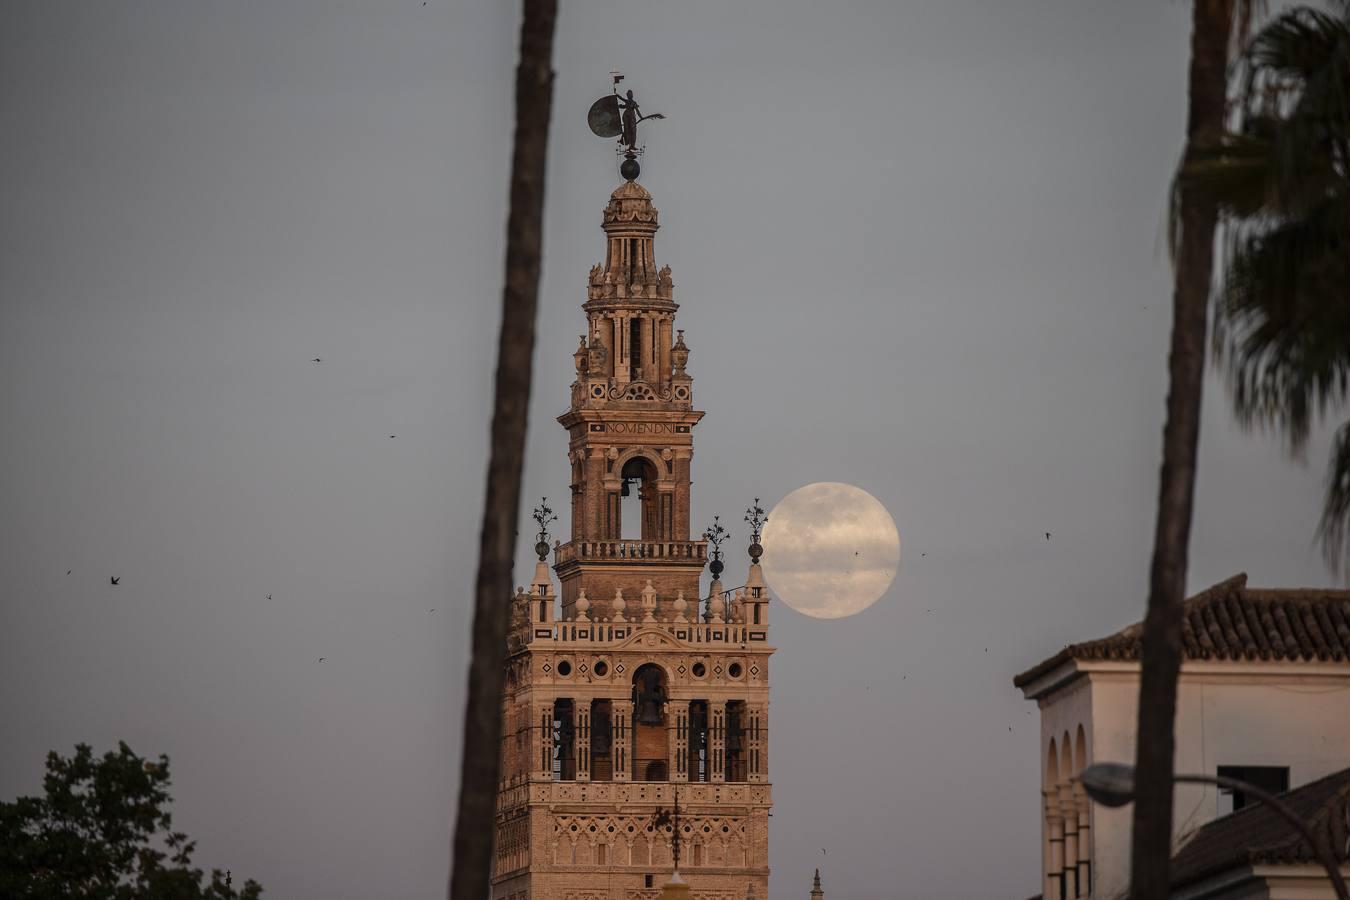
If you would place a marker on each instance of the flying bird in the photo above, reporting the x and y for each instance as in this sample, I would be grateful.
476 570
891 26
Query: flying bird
1047 535
68 571
269 596
393 435
116 580
316 359
322 658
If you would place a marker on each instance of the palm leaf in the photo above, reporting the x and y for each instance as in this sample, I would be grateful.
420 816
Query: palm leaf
1334 529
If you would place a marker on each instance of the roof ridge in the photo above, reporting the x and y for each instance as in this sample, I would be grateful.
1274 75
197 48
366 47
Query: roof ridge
1229 621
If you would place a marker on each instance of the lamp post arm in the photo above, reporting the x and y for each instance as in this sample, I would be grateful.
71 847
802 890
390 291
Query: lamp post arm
1282 809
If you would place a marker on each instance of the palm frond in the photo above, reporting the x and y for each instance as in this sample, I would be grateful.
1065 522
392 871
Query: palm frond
1282 319
1334 529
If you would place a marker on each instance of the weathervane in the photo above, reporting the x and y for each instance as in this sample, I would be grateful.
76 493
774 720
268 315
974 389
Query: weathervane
543 515
756 517
618 116
715 536
663 818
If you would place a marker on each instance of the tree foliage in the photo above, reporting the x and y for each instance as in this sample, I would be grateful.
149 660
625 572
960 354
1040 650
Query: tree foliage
102 831
1281 179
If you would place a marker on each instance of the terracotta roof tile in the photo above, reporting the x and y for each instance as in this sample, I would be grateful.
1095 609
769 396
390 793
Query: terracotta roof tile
1231 621
1255 835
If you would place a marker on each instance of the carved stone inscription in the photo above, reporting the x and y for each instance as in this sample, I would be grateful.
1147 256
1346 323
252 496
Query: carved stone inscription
642 427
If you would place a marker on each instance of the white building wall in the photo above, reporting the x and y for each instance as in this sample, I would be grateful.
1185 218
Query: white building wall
1279 714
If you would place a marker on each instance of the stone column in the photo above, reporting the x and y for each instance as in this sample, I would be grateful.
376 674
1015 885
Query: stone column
583 739
1084 806
623 739
1054 850
663 344
717 740
541 743
756 729
679 740
645 351
1069 813
682 460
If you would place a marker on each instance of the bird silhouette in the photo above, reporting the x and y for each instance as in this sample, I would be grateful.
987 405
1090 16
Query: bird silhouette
269 596
316 359
322 658
433 609
1047 535
68 571
116 580
393 435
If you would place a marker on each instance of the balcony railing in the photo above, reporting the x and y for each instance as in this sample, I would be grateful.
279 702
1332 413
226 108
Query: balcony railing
628 550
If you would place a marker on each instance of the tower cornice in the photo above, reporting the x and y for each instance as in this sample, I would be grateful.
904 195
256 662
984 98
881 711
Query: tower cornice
620 412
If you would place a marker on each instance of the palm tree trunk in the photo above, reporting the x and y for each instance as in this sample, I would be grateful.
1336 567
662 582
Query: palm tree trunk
1161 641
471 869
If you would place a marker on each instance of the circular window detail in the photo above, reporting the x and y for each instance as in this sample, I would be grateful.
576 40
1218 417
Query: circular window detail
700 670
564 668
597 391
681 392
734 670
601 668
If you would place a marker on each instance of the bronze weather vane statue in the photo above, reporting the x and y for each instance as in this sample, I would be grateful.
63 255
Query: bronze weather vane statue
618 116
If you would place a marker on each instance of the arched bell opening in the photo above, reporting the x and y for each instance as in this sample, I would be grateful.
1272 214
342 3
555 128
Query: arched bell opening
639 501
651 751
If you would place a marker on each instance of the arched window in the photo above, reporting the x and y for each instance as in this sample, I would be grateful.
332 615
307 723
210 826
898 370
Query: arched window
650 740
638 501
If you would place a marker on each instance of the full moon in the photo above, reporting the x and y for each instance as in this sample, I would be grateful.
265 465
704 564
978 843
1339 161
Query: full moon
830 550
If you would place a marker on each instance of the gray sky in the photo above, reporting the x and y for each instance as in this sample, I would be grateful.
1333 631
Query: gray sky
917 248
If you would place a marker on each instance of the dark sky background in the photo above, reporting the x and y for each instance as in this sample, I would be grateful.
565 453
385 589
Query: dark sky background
918 248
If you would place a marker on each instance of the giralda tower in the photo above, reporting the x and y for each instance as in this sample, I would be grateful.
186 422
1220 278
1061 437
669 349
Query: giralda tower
636 710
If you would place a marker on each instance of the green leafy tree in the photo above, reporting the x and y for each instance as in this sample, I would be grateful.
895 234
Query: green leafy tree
1281 181
102 832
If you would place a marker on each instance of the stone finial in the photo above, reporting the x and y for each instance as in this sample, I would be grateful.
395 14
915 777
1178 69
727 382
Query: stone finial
717 603
738 606
679 353
681 605
649 602
816 892
583 604
580 357
618 605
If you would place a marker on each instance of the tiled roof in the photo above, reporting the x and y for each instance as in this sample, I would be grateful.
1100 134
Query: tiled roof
1255 835
1231 621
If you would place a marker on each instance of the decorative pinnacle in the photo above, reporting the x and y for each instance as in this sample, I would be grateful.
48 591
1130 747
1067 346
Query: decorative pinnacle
756 517
715 536
543 515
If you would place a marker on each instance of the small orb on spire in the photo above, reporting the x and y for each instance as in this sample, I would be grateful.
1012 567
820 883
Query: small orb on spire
630 169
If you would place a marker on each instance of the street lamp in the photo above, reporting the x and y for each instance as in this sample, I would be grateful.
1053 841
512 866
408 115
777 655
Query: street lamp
1112 784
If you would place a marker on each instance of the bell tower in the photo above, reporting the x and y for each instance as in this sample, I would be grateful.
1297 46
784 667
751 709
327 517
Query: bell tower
630 423
635 751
